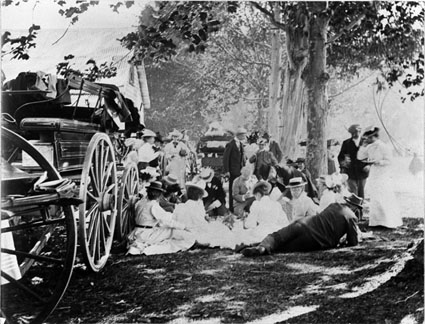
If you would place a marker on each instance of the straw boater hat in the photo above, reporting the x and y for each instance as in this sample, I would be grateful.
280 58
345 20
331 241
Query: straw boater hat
155 185
263 183
148 133
241 130
354 200
176 133
171 179
296 182
206 174
200 184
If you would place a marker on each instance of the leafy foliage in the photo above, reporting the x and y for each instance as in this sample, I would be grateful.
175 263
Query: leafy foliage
91 73
18 47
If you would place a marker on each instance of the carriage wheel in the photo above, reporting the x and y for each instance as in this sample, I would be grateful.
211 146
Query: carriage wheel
127 198
38 237
97 213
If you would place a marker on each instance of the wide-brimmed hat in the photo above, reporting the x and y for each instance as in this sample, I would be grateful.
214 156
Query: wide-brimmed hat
353 128
155 185
263 183
200 184
241 130
170 179
151 171
354 200
176 133
206 174
371 130
296 182
148 133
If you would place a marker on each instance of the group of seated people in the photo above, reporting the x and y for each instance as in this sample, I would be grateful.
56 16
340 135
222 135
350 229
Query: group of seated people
170 218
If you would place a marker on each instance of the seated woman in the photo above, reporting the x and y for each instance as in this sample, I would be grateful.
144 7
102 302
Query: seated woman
242 190
300 205
170 197
157 231
331 189
265 215
147 176
192 214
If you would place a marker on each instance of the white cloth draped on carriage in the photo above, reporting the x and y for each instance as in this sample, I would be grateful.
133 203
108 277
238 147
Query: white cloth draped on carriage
384 207
158 232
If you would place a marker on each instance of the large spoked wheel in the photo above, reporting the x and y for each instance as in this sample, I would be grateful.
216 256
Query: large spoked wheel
38 236
97 213
127 198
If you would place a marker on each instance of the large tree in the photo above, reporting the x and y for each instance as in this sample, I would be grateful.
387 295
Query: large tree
346 35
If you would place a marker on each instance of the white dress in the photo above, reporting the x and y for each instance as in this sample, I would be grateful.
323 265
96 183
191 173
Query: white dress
266 216
384 208
176 163
163 234
213 234
300 207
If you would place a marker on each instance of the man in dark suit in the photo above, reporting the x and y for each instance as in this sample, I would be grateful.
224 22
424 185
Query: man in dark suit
335 226
215 202
234 159
356 170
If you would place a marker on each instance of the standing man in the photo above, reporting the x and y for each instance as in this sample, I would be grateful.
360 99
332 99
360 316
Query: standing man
263 160
274 147
234 160
175 154
356 170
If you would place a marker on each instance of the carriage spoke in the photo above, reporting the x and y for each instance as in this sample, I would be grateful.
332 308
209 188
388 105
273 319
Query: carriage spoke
107 175
32 256
90 195
106 224
92 226
94 180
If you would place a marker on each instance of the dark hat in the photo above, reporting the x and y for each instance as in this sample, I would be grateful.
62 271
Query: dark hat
371 130
266 184
300 160
331 142
353 128
155 185
266 136
158 137
354 200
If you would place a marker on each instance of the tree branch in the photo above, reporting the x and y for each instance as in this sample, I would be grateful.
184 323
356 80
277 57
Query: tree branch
351 86
345 29
269 14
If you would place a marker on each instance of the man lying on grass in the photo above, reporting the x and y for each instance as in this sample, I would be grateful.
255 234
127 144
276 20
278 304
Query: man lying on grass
334 226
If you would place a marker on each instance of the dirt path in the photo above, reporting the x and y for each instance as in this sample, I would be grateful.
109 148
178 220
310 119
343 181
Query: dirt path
214 286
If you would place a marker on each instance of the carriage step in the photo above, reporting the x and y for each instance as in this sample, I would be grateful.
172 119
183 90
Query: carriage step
59 124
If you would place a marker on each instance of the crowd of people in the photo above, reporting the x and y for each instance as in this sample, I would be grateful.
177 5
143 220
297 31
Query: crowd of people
272 205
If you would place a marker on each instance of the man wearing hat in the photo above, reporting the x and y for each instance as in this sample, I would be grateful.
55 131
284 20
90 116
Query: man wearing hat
335 226
263 160
312 191
175 154
234 159
356 170
215 202
274 147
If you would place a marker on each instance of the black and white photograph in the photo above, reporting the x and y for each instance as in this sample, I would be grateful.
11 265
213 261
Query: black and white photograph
209 162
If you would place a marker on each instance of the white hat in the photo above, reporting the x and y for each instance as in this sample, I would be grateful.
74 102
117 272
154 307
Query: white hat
151 171
200 184
176 133
296 182
241 130
206 174
148 133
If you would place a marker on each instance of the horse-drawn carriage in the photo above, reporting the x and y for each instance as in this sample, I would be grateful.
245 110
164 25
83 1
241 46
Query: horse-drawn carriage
62 174
212 148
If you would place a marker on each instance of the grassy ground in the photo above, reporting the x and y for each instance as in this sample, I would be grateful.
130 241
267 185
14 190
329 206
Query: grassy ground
213 286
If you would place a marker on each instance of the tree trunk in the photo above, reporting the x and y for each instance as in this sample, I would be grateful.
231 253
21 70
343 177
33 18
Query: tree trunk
292 105
274 80
316 79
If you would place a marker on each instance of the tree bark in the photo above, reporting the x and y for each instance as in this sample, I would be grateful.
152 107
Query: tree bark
316 79
274 80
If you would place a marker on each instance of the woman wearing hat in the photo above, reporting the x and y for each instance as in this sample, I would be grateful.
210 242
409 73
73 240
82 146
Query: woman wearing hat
265 216
242 190
172 192
175 154
192 213
300 205
384 209
157 231
331 189
147 155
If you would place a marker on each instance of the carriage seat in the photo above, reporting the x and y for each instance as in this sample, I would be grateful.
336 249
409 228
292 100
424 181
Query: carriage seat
58 124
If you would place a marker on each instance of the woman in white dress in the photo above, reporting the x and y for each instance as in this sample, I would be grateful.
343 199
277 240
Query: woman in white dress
193 215
266 216
384 208
157 231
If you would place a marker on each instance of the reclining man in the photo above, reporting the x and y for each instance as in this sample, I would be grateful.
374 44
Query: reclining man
322 231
